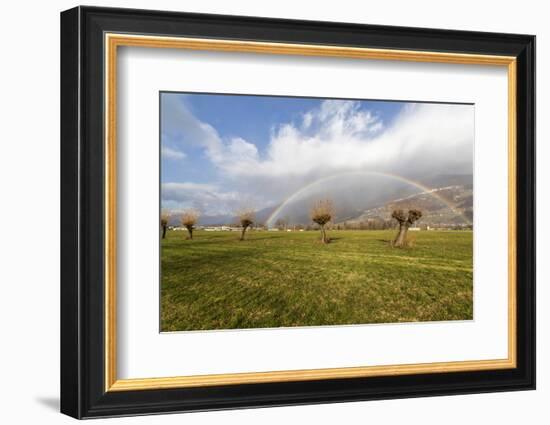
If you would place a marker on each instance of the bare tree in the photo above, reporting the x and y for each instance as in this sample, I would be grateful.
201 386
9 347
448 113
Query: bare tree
188 219
246 217
321 213
405 221
164 219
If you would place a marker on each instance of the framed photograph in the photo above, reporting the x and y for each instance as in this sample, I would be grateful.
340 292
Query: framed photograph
261 212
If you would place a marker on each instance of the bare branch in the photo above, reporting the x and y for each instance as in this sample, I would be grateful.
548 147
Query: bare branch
414 215
246 217
399 215
188 219
164 220
321 213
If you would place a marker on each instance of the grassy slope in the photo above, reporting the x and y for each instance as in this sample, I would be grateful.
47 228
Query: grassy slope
289 279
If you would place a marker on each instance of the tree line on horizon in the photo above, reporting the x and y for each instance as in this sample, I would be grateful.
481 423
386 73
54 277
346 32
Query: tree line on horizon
321 213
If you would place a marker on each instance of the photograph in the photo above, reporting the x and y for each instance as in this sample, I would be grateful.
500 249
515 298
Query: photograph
280 211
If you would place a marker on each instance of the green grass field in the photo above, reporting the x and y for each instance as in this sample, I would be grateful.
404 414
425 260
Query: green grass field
278 279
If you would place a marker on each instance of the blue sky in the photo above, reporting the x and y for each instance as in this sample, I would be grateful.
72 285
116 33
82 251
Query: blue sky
252 118
219 151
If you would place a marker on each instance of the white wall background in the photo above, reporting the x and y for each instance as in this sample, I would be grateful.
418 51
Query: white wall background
29 211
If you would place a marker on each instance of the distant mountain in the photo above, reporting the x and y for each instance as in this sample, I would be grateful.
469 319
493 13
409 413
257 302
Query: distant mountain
443 180
443 199
444 206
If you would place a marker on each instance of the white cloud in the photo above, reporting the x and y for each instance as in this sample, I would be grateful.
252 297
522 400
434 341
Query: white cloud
174 154
338 137
207 198
181 126
240 149
422 139
307 120
337 118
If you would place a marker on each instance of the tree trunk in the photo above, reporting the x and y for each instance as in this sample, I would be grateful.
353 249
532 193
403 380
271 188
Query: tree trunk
323 235
163 232
401 238
190 230
242 233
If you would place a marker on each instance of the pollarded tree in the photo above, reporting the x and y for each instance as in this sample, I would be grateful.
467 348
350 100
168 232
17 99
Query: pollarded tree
246 217
321 213
405 221
164 219
188 219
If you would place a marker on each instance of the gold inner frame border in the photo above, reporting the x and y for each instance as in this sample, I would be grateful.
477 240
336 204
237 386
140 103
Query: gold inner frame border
112 41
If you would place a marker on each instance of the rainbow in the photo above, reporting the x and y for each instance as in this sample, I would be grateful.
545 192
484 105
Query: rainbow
425 189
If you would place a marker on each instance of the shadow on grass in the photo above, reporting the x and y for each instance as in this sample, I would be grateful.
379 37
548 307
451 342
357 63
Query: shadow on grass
213 259
252 239
216 241
329 242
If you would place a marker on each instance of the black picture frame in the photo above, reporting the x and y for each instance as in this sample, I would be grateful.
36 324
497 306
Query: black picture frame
83 392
